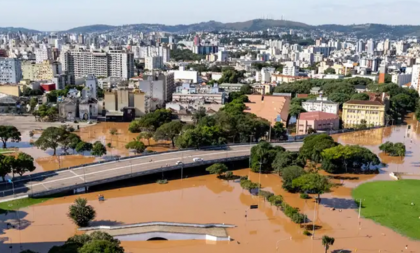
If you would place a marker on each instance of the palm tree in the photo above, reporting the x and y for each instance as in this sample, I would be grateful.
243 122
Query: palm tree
81 213
327 242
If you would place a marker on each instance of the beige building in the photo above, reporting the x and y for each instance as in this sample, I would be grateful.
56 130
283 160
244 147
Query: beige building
11 89
318 121
117 100
40 71
356 111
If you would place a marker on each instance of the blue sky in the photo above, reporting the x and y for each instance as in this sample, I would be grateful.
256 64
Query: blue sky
53 15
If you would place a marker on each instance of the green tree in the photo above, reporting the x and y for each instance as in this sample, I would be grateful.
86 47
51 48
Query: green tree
51 138
136 145
169 131
360 96
279 132
151 120
285 159
81 213
6 165
314 145
329 71
246 89
340 98
298 101
313 183
146 135
263 155
96 246
393 149
199 114
9 133
289 174
217 168
23 163
46 112
327 242
295 110
98 149
82 147
69 141
33 103
350 157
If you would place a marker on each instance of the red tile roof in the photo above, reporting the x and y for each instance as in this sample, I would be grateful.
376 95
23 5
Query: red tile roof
317 116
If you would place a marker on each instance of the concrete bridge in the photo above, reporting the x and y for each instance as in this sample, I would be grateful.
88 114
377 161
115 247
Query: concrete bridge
80 178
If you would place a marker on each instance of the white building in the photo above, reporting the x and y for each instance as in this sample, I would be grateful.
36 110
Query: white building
185 75
154 90
370 47
153 62
321 104
264 76
290 69
90 90
222 56
43 53
10 70
415 80
81 63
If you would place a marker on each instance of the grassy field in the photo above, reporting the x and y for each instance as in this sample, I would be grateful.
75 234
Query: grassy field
20 203
389 204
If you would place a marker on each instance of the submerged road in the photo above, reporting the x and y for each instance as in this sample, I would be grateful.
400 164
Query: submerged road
117 170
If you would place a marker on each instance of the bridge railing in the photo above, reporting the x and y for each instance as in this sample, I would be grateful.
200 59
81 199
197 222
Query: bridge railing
128 173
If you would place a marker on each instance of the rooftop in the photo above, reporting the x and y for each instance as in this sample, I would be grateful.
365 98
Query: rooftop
364 102
317 116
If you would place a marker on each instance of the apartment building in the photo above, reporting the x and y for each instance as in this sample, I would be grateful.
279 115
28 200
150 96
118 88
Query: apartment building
355 112
10 70
321 104
45 70
114 63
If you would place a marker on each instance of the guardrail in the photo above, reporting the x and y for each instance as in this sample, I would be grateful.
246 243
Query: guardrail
128 176
159 223
40 175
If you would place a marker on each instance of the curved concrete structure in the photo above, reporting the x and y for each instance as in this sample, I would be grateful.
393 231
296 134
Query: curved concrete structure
165 231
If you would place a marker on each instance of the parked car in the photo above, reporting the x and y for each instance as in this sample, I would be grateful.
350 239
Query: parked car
197 159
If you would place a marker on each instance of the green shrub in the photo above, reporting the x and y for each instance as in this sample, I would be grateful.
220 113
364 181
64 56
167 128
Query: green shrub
163 181
275 200
304 196
265 194
307 233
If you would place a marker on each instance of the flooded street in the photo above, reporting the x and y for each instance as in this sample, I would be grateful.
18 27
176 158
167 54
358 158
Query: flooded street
206 199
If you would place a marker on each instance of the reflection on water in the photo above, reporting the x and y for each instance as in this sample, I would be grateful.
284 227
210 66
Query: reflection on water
206 199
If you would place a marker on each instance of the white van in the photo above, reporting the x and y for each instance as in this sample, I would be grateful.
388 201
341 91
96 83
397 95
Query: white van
197 159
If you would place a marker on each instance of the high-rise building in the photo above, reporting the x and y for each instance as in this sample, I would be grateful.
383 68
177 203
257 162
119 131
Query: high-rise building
43 53
360 47
115 63
153 62
387 46
290 69
10 70
415 79
197 41
370 47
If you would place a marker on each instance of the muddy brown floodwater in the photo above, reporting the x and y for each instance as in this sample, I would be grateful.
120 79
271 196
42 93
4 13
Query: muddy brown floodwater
206 199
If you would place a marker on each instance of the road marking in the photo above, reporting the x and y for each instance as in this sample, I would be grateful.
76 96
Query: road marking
124 167
81 178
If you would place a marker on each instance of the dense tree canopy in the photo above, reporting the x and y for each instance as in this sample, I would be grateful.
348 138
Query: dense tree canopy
341 159
312 183
360 96
286 159
289 174
23 163
6 165
169 131
151 120
217 168
263 155
136 145
393 149
314 145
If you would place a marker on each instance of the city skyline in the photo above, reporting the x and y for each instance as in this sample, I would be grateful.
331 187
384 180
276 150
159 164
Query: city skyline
64 15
